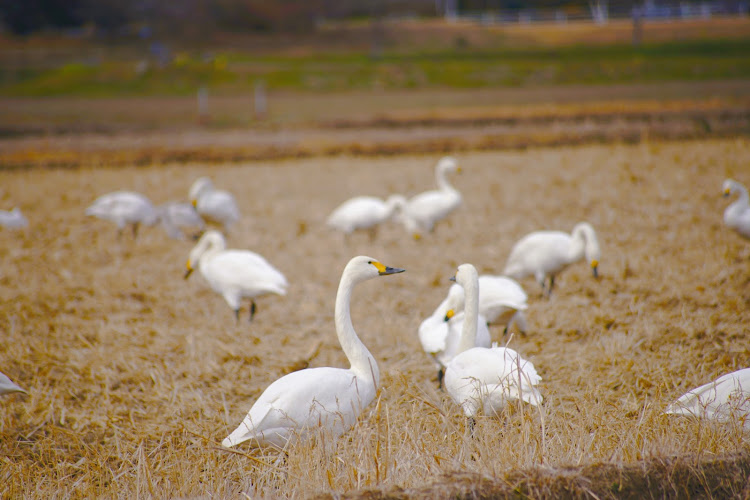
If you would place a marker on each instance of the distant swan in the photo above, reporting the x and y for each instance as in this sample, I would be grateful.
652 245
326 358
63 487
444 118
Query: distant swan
545 253
364 212
235 274
485 379
326 397
175 216
123 208
737 215
425 209
726 398
7 386
13 219
214 204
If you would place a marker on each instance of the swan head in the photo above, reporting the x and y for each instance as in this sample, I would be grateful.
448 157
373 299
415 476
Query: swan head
448 164
730 187
201 185
363 268
210 240
465 275
591 249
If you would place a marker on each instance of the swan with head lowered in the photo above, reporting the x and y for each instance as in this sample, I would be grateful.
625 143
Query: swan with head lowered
235 274
13 219
481 379
544 254
7 386
213 204
176 216
364 212
737 215
422 211
123 208
319 398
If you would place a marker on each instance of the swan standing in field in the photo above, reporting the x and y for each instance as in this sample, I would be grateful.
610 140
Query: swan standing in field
425 209
175 216
546 253
214 204
364 212
235 274
726 398
485 379
13 219
123 208
737 215
326 397
7 386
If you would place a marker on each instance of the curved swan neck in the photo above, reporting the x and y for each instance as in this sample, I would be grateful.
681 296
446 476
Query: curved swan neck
211 245
363 363
471 313
583 243
743 198
441 180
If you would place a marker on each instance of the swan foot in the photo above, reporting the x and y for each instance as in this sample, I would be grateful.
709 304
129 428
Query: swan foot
253 308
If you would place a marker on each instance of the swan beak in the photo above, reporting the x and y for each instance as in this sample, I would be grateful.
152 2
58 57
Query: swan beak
385 270
417 236
449 314
194 203
189 270
458 170
452 278
727 192
594 268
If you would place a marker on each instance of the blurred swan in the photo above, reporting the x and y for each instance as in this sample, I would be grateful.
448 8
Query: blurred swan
485 379
175 215
737 215
425 209
214 204
235 274
13 219
364 212
326 397
7 386
123 208
726 398
546 253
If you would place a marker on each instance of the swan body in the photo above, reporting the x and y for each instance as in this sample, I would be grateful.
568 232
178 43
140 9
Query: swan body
737 215
235 274
726 398
326 397
423 211
175 216
13 219
123 208
546 253
213 204
7 386
501 301
485 379
364 212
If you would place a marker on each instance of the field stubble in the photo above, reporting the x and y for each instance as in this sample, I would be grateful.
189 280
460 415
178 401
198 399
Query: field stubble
136 375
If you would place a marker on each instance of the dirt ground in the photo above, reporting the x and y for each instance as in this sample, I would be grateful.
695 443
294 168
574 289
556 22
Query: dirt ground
136 375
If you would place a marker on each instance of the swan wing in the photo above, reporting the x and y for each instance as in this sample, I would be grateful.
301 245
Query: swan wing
244 270
219 206
360 212
7 386
538 252
727 395
431 206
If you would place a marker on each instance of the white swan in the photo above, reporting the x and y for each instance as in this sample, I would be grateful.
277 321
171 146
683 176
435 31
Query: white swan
214 204
737 215
326 397
235 274
484 379
175 216
425 209
364 212
501 301
7 386
726 398
546 253
13 219
123 208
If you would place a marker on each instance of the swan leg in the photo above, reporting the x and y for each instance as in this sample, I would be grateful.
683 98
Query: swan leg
135 230
237 314
441 375
253 308
472 422
551 285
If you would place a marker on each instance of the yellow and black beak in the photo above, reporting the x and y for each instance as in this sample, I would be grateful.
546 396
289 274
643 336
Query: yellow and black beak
194 202
449 314
189 270
384 270
727 192
595 267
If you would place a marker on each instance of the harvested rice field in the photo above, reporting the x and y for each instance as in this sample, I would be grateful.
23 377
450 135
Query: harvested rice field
135 375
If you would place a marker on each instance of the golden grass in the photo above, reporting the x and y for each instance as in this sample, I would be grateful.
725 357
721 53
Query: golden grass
135 375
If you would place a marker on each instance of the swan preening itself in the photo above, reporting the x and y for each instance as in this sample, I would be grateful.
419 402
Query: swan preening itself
13 219
422 211
725 399
214 204
545 253
235 274
327 398
123 208
485 379
364 212
7 386
176 216
737 215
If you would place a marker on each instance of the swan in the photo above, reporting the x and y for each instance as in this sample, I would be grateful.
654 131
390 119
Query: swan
123 208
325 397
214 204
546 253
737 215
422 211
234 273
364 212
501 301
726 398
13 219
7 386
481 378
175 215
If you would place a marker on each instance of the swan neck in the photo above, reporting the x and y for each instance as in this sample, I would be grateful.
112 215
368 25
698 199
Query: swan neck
442 181
363 364
577 244
471 316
